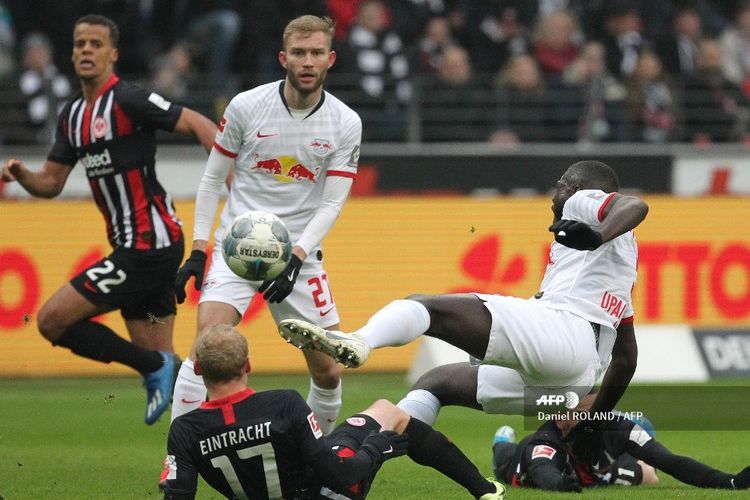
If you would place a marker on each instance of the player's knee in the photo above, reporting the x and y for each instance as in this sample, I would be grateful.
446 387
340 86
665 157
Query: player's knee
390 416
51 323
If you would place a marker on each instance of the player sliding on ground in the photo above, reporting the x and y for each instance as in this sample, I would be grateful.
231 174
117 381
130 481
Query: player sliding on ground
562 339
268 444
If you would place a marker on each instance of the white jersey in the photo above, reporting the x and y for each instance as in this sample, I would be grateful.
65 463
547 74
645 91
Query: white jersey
597 284
281 163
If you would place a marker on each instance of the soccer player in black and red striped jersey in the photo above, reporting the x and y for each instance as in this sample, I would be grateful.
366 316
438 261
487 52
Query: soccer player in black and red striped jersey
110 127
268 444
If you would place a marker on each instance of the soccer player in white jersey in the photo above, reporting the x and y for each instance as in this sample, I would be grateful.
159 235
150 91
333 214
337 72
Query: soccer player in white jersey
562 339
294 149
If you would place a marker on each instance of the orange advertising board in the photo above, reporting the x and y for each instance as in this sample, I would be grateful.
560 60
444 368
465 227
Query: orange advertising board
694 267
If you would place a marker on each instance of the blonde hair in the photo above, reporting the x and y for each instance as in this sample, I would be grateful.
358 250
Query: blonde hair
221 352
307 25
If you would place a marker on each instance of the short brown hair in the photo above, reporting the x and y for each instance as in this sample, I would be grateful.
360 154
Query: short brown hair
114 31
307 25
221 352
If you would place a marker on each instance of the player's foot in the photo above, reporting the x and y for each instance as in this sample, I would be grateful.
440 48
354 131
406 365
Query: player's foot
159 385
499 493
163 475
504 434
351 349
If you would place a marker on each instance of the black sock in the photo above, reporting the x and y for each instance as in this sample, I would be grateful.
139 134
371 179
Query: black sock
98 342
431 448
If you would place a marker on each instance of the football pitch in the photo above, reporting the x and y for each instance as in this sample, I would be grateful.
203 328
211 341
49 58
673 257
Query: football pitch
85 439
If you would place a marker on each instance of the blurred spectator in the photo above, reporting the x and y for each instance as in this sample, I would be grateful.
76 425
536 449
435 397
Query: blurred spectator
172 74
678 47
344 12
523 105
375 54
716 110
622 40
44 88
212 31
650 103
735 44
263 29
436 38
592 99
456 105
556 40
7 43
501 32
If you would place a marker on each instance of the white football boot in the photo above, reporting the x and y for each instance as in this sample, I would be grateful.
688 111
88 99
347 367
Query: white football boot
349 349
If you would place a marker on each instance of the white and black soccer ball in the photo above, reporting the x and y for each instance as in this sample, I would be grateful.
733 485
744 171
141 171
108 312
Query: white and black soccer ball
257 246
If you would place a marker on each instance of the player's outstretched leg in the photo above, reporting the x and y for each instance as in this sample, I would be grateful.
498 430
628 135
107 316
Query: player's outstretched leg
351 350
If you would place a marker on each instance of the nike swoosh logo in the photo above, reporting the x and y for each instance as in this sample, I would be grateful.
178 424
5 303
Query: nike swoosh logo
189 401
323 313
89 286
330 420
291 275
263 136
389 450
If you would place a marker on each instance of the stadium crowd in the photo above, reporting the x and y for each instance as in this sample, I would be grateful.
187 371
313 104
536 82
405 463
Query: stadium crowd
505 71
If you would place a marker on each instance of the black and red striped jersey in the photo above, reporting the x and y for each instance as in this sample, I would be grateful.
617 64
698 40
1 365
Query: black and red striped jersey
268 444
114 137
250 445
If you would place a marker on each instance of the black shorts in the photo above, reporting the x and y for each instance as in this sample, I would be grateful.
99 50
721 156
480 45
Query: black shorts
346 439
138 283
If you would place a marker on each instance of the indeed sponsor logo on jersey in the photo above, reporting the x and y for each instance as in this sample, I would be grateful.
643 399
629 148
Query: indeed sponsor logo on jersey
286 169
235 437
98 164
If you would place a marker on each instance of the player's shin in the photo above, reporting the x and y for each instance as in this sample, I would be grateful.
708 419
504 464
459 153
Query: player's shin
431 448
189 390
398 323
325 404
421 404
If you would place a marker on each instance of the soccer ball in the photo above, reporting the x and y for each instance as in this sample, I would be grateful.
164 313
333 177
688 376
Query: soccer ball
257 246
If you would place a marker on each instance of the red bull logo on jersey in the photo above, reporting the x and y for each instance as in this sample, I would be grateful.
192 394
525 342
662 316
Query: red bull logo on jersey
286 169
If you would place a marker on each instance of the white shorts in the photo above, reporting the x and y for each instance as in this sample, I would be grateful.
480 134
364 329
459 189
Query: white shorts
534 348
311 298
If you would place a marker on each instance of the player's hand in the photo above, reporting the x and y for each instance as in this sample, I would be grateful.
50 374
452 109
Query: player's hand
387 444
570 483
195 266
11 170
574 234
280 287
587 441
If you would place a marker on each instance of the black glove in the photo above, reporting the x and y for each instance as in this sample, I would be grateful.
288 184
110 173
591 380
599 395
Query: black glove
280 287
574 234
194 266
587 441
742 479
386 444
570 483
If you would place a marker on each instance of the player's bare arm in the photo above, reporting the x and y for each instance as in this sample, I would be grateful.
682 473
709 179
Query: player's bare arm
45 183
620 371
193 124
622 214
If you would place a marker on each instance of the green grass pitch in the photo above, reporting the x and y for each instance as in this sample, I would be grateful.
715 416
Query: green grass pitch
85 439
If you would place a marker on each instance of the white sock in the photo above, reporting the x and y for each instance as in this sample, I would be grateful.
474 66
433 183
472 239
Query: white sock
189 390
422 405
398 323
326 404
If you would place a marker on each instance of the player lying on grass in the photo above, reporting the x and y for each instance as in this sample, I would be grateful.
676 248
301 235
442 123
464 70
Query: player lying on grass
579 324
268 444
627 455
